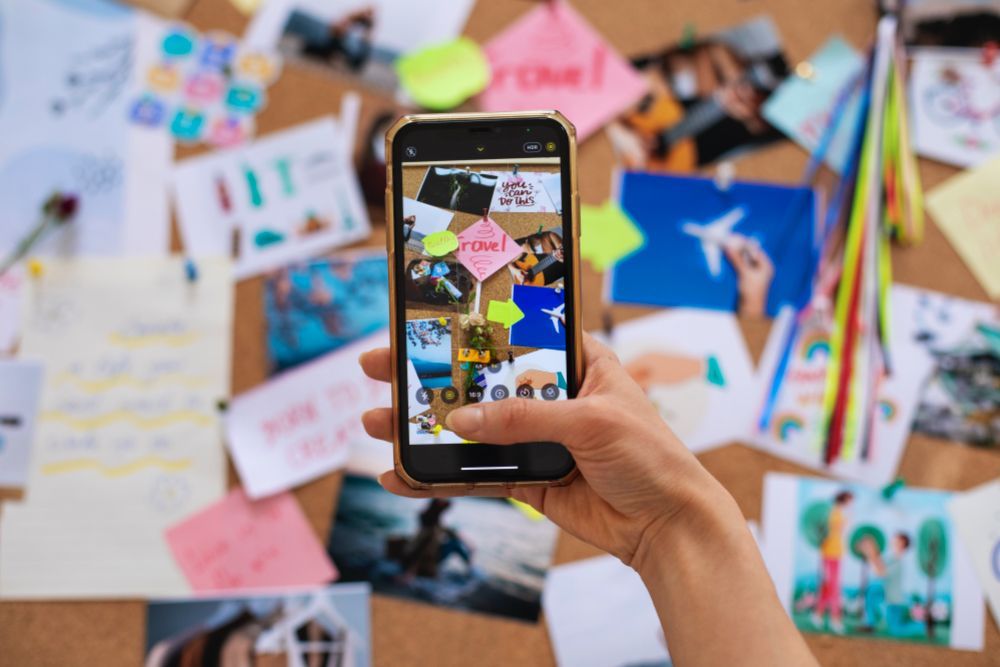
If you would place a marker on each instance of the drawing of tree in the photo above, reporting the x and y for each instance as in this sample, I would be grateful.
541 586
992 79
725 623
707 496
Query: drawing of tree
932 554
861 533
814 526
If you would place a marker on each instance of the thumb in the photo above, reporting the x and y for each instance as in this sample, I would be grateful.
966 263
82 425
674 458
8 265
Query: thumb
514 420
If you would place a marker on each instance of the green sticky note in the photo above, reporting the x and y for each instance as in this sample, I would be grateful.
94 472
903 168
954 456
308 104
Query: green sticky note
440 243
506 313
607 235
443 76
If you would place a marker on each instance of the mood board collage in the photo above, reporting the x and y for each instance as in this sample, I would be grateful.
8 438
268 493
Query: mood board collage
192 263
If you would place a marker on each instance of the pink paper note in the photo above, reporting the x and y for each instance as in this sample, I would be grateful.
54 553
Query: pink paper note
485 248
237 544
553 59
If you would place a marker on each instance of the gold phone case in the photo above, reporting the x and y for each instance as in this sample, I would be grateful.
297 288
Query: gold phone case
472 487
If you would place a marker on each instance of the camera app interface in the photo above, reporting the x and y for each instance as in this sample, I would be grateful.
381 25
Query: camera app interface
482 282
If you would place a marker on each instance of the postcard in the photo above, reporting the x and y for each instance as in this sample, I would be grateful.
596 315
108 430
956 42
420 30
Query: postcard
599 614
130 416
428 347
68 72
848 561
467 553
306 422
709 246
976 514
521 192
283 198
355 38
316 307
955 106
20 391
696 369
970 23
803 105
704 100
552 58
320 626
544 320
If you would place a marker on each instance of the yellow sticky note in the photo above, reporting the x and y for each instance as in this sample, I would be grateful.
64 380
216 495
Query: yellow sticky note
607 235
248 7
967 209
443 76
440 243
527 510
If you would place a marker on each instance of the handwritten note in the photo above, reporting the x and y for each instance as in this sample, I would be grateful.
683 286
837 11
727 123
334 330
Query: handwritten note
285 197
607 235
553 59
484 248
976 514
237 544
303 423
967 209
442 76
20 388
128 436
439 244
521 193
10 308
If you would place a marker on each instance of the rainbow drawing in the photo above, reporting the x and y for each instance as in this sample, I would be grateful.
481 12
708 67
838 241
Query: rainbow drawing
888 409
814 343
786 425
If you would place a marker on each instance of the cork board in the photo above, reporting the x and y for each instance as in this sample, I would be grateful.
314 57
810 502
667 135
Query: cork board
404 633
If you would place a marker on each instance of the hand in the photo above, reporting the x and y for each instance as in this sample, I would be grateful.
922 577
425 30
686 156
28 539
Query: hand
754 271
636 476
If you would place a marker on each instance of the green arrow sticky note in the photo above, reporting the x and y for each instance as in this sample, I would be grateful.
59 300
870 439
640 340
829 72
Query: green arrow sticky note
607 235
505 312
440 243
443 76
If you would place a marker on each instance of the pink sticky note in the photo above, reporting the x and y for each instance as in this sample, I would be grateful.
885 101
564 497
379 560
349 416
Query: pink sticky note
237 544
485 248
553 59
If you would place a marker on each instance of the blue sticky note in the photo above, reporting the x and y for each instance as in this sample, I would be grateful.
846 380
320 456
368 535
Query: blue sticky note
688 221
543 324
801 107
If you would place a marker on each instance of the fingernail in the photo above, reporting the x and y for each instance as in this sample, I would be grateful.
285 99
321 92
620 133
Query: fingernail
465 420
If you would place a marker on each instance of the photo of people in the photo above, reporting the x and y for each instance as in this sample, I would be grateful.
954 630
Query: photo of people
316 307
853 561
475 554
421 219
704 102
542 260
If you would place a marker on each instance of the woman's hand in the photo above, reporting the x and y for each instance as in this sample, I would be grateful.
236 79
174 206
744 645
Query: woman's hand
635 474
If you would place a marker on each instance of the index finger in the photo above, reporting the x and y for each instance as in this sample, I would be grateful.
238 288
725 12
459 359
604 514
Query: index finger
377 364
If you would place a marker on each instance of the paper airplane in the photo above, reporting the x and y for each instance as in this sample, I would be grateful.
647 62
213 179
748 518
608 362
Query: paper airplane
713 236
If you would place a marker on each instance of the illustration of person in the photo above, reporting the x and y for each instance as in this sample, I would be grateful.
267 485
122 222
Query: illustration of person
754 273
889 584
831 551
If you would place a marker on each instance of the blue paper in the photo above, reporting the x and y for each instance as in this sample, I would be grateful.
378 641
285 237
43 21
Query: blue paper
679 268
544 323
801 107
317 307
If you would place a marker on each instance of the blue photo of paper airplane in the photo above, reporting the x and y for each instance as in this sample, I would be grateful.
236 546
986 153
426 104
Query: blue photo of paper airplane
689 223
544 321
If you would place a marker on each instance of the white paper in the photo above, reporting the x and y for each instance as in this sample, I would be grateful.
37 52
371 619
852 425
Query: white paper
128 437
780 518
11 285
690 344
288 196
504 375
521 193
599 614
955 105
20 390
68 72
305 422
976 514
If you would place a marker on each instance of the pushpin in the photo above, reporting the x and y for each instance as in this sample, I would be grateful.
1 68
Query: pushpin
724 175
222 405
510 356
36 268
805 70
890 489
688 37
516 169
607 324
190 270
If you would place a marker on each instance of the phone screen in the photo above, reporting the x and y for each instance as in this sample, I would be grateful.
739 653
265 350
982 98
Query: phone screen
483 243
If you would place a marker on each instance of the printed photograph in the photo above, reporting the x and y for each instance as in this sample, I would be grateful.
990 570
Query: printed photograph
705 100
428 347
474 554
458 189
316 307
541 263
437 283
328 627
421 219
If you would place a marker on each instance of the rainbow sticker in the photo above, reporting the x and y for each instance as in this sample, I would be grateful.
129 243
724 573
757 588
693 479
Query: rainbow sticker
785 426
887 409
813 344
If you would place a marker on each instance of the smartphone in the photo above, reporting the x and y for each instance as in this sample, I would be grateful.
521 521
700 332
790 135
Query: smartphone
483 227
